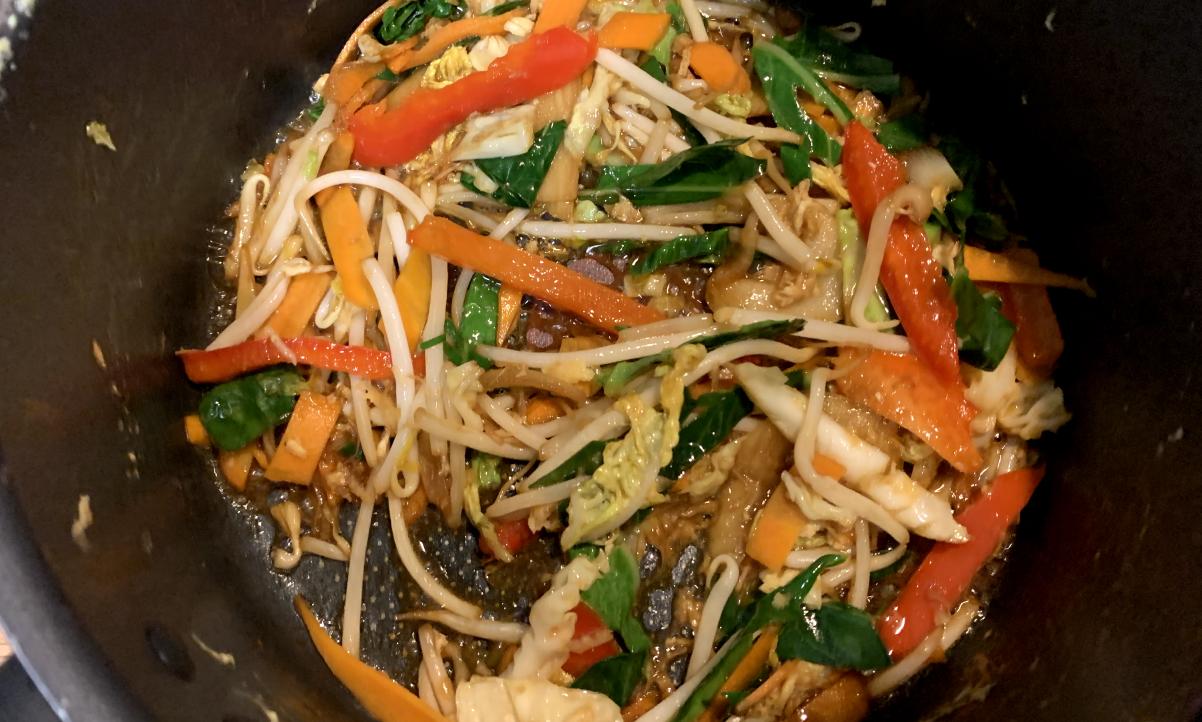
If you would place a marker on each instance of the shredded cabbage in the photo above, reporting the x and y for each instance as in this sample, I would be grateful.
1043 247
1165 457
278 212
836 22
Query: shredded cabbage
493 699
544 647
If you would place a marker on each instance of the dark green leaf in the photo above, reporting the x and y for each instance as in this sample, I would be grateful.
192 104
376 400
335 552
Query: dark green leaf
506 7
615 677
717 414
518 177
796 162
678 21
237 412
616 248
387 75
834 635
589 551
488 475
697 174
906 133
612 598
983 331
403 21
352 450
836 61
781 75
477 324
786 603
682 249
431 343
582 463
967 212
314 111
734 615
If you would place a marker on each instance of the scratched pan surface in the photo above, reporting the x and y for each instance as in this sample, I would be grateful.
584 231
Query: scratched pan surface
1091 124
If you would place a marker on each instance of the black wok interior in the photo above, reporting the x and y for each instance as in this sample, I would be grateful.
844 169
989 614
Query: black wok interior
1093 124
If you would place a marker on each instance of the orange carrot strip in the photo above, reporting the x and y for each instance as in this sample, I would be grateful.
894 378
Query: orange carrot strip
350 244
827 466
235 465
775 530
745 673
1007 268
718 68
305 439
532 274
509 307
412 291
541 409
195 430
383 698
292 316
347 79
556 13
448 35
633 31
337 158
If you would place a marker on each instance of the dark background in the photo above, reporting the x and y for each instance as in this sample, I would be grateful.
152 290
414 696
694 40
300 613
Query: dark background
1092 123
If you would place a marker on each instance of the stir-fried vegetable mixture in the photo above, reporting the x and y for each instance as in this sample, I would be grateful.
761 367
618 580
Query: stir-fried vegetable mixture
678 298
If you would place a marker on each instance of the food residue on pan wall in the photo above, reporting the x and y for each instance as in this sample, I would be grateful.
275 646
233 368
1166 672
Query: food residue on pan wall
223 658
98 354
83 520
99 133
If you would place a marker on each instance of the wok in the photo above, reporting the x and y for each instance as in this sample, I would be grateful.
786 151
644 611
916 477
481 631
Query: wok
1089 113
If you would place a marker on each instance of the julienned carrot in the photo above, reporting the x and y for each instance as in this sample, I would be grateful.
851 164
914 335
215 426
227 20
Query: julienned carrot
948 569
1010 268
403 58
304 439
292 316
718 68
775 530
347 79
532 274
337 158
905 390
383 698
749 669
541 409
827 466
633 31
350 244
223 364
194 430
412 291
235 465
558 13
509 308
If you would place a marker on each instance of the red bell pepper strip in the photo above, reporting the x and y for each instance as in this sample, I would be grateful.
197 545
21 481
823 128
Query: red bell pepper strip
912 278
531 68
531 274
514 535
589 624
948 569
904 390
226 363
1036 332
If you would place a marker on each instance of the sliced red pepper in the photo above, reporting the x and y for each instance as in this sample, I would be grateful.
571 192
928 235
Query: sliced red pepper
514 535
531 68
948 569
226 363
913 279
1036 332
904 390
587 625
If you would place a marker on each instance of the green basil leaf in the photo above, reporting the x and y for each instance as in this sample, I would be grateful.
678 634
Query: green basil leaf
984 333
796 162
518 177
697 174
837 61
681 249
785 604
488 473
834 635
781 75
582 463
717 414
612 598
237 412
615 677
906 133
477 323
